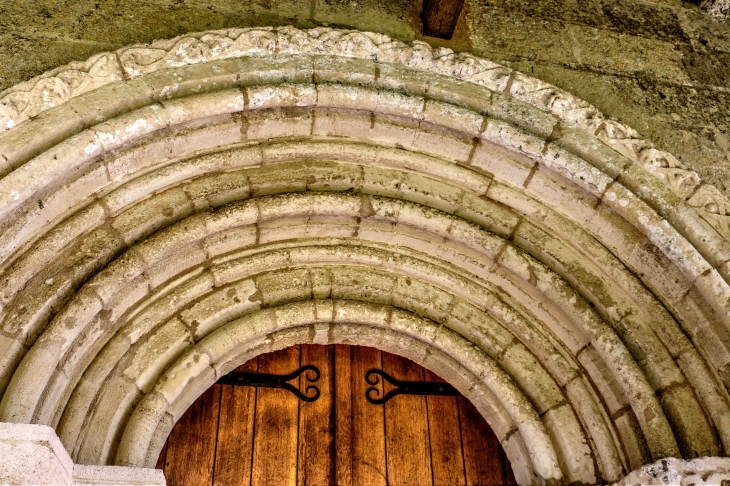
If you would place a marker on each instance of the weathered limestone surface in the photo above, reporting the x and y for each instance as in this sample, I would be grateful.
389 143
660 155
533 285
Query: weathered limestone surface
33 455
185 206
658 65
677 472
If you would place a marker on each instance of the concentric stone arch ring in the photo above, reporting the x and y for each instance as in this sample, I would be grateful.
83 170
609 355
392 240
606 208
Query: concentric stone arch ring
169 211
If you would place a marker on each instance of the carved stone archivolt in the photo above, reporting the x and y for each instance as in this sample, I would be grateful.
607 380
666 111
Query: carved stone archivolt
27 99
169 211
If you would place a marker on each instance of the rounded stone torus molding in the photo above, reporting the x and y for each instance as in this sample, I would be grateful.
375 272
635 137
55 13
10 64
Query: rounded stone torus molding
169 211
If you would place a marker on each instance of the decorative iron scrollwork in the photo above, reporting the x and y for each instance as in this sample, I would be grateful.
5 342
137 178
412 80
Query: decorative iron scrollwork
374 376
263 380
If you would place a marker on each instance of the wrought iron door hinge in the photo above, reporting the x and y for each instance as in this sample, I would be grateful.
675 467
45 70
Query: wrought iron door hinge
276 381
404 387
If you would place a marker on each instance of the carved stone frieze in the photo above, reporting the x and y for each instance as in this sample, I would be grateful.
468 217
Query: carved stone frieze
678 472
27 99
713 206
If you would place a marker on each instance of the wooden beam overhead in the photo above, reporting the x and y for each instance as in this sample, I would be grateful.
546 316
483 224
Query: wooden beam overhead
440 16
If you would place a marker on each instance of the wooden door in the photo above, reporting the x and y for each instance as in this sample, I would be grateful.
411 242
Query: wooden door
235 435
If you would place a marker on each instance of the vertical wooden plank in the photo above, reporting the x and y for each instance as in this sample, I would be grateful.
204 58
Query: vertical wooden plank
406 428
316 420
163 455
368 438
481 448
191 445
343 415
440 17
447 459
276 424
235 433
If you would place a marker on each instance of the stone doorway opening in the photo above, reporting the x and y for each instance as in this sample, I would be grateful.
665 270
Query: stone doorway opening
247 435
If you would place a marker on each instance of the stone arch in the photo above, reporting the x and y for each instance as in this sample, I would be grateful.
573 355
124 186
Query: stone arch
167 210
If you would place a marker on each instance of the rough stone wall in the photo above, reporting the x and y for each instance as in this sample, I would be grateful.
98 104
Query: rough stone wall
663 67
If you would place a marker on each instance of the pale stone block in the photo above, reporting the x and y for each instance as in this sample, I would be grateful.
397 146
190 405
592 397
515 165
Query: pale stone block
282 95
517 453
551 189
534 381
179 237
343 70
235 239
50 168
346 97
236 338
436 141
161 149
486 244
27 140
479 328
351 124
710 391
278 123
107 101
356 283
197 385
521 113
117 475
423 298
507 166
149 215
147 361
599 428
79 403
295 314
234 215
166 302
173 381
56 392
29 380
140 431
11 352
454 117
695 435
176 265
100 432
392 130
572 447
632 439
130 126
221 306
576 170
218 189
490 216
204 105
412 325
592 150
713 287
33 454
322 227
284 286
512 138
74 194
426 166
34 260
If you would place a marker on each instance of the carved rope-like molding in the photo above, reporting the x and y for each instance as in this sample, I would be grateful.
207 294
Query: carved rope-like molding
29 98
